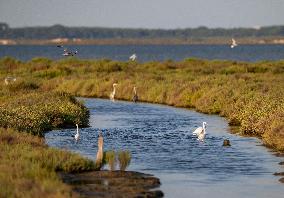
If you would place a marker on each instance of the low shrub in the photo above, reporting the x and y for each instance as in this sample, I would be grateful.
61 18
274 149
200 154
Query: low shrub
110 159
124 158
28 166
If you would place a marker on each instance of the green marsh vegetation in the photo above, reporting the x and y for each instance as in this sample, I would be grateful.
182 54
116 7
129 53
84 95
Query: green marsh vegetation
249 95
28 166
110 159
122 158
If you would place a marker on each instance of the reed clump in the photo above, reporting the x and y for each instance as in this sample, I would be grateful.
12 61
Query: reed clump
110 159
124 158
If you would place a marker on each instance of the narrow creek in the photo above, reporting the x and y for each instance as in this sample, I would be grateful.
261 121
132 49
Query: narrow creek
161 143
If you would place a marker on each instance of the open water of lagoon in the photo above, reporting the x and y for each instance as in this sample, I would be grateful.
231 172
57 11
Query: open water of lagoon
161 143
150 52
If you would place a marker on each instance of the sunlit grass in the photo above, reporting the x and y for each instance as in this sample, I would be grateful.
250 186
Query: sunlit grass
248 94
110 159
28 167
124 158
36 112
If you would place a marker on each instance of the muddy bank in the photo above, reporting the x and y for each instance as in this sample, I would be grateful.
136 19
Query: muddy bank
113 184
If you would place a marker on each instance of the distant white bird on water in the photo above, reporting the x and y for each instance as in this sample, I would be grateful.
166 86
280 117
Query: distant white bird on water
200 132
77 136
112 94
133 57
234 43
67 52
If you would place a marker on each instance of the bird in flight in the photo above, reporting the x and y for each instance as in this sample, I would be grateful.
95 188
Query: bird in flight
234 43
133 57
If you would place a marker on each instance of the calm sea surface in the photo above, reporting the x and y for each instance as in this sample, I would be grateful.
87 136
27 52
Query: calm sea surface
150 52
161 143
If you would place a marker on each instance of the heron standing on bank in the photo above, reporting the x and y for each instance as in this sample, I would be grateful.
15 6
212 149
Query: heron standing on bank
135 96
112 94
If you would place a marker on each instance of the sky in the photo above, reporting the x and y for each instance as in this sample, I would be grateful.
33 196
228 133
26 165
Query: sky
165 14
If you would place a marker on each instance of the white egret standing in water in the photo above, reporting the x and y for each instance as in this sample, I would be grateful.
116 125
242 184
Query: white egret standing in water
200 132
77 136
201 136
234 43
112 94
135 96
133 57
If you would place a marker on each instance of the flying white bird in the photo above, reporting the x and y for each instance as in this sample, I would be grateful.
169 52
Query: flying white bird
234 43
200 132
112 94
133 57
77 136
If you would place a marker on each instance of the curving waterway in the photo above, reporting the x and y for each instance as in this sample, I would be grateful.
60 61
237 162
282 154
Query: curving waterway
161 143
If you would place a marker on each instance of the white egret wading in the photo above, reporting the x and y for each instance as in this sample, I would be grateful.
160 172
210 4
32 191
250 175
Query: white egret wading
77 136
200 132
135 96
112 94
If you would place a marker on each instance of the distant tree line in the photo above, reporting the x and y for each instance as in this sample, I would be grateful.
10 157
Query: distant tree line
59 31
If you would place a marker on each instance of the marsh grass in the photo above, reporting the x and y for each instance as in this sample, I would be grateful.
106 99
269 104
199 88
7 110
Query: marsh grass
36 112
124 158
28 167
110 159
247 94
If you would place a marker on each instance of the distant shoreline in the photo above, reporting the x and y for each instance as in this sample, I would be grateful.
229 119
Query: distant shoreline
156 41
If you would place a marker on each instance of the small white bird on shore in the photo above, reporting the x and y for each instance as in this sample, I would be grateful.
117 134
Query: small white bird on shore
200 132
133 57
234 43
77 136
135 96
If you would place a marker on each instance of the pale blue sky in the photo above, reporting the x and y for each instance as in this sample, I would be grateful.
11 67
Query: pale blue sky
143 13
